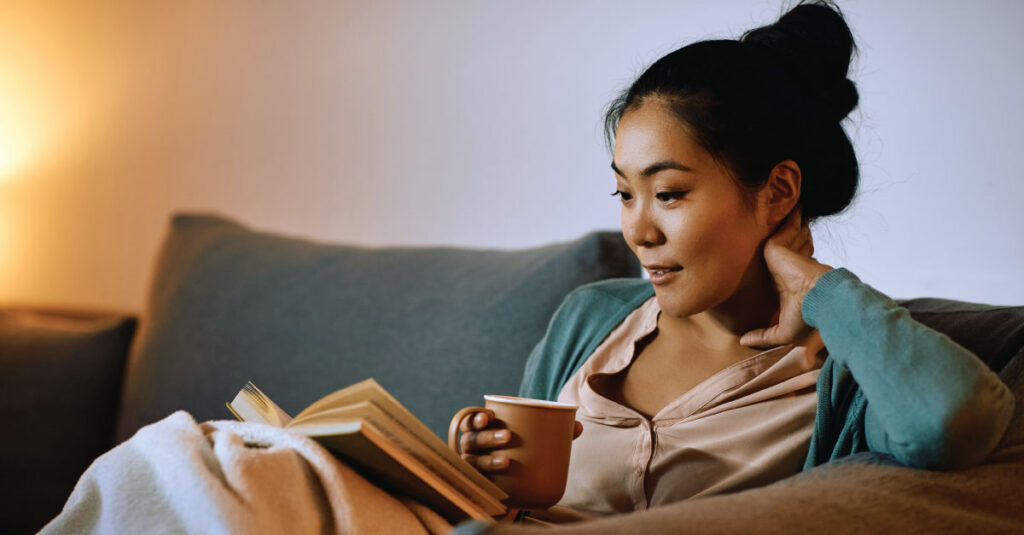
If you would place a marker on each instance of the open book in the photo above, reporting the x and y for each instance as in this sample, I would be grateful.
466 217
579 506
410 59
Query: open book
375 434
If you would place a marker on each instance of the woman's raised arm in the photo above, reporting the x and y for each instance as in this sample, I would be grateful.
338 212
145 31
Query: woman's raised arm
931 403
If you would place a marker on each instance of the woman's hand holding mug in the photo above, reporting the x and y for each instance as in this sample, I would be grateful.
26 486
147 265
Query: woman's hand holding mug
522 445
480 438
481 441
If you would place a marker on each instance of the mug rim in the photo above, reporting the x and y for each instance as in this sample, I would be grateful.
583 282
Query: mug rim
530 402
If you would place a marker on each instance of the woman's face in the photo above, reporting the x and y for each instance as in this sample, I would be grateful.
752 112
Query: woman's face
682 213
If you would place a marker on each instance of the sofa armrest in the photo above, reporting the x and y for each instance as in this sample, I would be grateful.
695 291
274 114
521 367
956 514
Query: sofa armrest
60 384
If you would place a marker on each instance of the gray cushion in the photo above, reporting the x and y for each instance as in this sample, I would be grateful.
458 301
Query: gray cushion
437 326
59 388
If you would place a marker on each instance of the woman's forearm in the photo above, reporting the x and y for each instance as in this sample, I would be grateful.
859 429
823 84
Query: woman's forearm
931 403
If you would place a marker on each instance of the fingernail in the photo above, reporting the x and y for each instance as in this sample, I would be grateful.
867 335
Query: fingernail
499 462
501 435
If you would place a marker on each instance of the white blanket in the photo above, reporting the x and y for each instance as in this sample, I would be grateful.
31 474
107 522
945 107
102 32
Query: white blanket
177 476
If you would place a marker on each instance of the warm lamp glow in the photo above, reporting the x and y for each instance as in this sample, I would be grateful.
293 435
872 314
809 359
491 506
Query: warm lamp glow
59 78
40 82
19 143
5 252
20 135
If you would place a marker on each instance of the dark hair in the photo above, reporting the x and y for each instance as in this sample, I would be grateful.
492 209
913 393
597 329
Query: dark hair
777 93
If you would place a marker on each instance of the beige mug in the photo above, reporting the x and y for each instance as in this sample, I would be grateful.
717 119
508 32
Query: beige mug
538 449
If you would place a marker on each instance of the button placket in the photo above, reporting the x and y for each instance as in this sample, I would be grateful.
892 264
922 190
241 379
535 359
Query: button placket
642 462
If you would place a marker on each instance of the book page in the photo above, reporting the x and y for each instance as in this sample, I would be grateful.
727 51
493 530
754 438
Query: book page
368 411
252 405
370 390
361 444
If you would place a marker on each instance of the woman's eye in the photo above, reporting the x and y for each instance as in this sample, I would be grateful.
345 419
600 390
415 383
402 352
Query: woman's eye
666 196
625 196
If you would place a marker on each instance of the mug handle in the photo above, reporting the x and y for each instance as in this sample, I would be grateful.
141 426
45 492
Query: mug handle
453 428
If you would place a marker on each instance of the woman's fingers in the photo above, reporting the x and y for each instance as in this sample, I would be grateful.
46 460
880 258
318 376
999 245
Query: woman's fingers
792 225
760 338
795 234
790 233
487 463
475 441
805 244
479 420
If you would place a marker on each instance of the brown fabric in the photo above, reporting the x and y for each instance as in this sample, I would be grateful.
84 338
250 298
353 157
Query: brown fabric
841 498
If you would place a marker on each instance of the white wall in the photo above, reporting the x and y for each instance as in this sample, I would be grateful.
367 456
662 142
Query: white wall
460 122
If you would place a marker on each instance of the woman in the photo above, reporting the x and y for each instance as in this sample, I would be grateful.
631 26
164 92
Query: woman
744 360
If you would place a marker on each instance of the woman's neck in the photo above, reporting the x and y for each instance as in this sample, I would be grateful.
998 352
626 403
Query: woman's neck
719 329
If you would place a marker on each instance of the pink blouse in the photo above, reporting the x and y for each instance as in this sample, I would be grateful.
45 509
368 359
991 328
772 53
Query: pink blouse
745 426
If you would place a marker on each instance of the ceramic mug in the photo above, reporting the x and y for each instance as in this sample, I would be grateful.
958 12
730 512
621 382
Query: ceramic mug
538 450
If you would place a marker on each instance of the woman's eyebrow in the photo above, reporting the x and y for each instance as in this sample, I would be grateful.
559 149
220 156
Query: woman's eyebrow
656 167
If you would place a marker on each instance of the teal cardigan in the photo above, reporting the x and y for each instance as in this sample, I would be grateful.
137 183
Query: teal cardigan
889 384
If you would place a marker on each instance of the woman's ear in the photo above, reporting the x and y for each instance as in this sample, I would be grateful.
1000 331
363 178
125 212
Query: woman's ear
782 192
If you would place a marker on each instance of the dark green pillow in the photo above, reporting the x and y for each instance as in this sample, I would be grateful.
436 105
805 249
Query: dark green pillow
60 379
439 327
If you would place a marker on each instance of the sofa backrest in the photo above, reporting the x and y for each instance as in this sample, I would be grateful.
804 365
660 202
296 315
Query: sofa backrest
439 327
994 333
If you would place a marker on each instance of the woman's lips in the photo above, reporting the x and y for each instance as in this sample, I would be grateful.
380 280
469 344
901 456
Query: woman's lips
663 276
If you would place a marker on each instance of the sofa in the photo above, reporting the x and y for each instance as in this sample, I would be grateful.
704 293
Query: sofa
438 327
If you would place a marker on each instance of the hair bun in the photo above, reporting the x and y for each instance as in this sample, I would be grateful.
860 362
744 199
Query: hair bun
813 42
839 100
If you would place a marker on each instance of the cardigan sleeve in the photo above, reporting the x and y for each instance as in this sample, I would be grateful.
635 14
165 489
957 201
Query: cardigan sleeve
930 403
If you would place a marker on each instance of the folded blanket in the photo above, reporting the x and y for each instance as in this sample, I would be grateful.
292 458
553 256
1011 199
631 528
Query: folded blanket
863 493
177 476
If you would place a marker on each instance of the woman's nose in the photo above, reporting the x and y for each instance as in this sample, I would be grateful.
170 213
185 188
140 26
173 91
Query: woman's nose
640 229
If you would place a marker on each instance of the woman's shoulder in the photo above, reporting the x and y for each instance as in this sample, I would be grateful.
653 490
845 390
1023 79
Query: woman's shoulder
585 317
613 292
598 306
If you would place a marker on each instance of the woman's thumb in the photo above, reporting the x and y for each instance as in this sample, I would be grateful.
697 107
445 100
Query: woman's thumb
757 338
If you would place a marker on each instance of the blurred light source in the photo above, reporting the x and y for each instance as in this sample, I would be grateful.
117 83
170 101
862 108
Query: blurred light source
17 143
22 99
26 122
57 74
47 81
